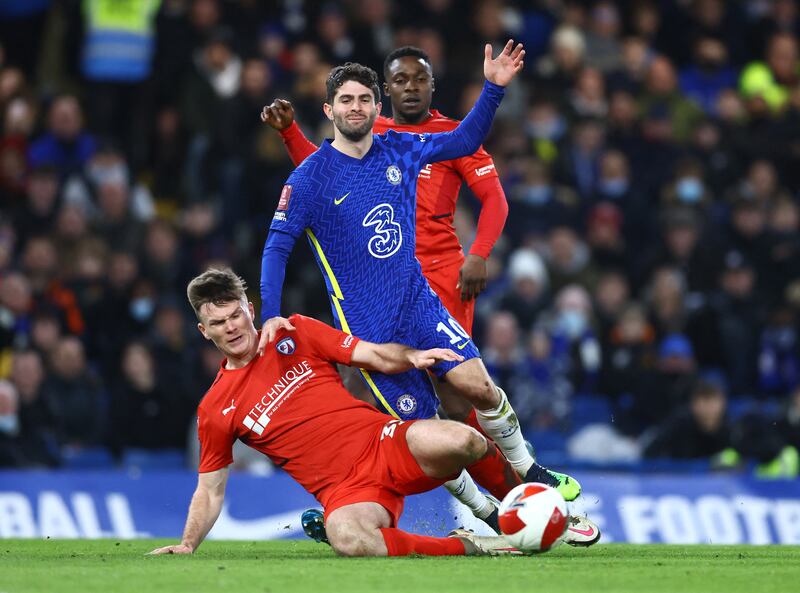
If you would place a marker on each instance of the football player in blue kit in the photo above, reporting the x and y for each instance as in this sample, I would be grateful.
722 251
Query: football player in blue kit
355 200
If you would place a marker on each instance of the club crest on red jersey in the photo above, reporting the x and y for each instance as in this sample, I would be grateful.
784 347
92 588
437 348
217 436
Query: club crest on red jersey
285 346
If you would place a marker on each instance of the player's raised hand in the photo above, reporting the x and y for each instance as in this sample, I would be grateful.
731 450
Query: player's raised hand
502 69
270 329
176 549
279 114
472 277
424 359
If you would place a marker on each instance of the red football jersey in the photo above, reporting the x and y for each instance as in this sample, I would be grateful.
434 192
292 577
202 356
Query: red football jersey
290 404
438 185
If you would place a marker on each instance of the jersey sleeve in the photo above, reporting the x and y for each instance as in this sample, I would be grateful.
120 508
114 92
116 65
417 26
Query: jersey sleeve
216 444
296 204
327 342
297 145
476 167
466 139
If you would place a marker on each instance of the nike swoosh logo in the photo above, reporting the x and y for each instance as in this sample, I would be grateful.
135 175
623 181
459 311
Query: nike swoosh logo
338 201
464 345
587 532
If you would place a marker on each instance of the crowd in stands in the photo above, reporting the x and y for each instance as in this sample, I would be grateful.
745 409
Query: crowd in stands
649 268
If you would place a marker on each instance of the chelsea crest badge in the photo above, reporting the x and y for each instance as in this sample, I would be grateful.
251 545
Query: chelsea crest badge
394 175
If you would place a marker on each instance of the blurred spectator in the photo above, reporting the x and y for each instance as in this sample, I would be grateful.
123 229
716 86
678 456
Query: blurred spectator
708 147
215 77
528 295
699 430
65 145
688 187
779 353
772 79
602 41
636 56
557 71
661 386
36 416
709 74
144 410
536 203
684 247
16 301
612 295
629 354
661 91
726 330
604 236
11 453
666 297
503 353
569 260
38 212
545 126
77 396
116 61
574 346
579 166
588 98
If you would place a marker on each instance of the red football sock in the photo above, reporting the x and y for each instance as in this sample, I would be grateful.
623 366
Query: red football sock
402 543
494 472
472 420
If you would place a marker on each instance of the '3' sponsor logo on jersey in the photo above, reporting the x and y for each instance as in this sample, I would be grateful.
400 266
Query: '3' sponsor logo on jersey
388 234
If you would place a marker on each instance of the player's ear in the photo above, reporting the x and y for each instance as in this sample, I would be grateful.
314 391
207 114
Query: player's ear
386 88
252 310
328 109
433 83
202 329
378 106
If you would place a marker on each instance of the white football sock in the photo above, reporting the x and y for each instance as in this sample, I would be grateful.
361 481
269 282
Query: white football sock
467 493
502 426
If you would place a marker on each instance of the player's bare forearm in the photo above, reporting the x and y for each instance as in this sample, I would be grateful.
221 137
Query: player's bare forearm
397 358
205 507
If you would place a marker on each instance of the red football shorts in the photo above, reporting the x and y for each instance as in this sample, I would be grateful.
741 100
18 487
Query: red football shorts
444 281
386 473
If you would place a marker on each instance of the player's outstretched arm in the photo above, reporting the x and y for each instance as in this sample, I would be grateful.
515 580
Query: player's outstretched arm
396 358
472 131
203 512
280 116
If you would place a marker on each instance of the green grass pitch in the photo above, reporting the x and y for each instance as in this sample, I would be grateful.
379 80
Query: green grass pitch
108 566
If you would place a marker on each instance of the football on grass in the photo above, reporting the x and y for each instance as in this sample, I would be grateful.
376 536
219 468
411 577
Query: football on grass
533 517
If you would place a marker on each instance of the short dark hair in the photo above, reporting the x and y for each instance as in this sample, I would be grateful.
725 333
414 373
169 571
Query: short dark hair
352 71
216 286
402 52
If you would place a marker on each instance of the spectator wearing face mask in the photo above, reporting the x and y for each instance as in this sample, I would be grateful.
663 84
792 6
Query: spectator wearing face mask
573 343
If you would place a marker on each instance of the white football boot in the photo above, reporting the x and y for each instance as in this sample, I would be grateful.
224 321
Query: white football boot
485 545
581 531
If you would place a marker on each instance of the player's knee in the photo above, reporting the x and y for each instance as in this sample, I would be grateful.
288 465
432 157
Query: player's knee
482 395
469 443
353 543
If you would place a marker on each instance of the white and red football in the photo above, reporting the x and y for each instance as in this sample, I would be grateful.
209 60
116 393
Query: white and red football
533 517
